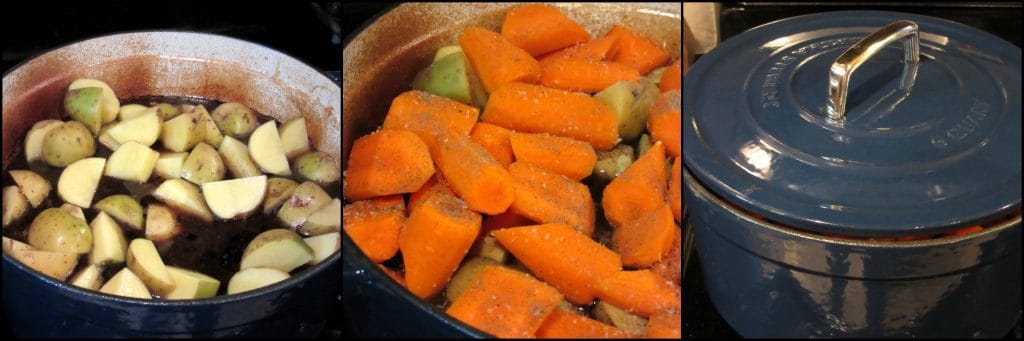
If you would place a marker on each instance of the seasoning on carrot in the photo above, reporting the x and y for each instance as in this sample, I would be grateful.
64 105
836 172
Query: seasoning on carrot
636 51
562 155
563 325
568 260
539 29
639 190
665 122
505 220
675 187
505 303
643 241
584 75
429 116
436 237
666 324
474 174
387 162
640 292
597 49
671 265
435 185
496 60
537 109
963 231
547 197
374 225
672 79
495 140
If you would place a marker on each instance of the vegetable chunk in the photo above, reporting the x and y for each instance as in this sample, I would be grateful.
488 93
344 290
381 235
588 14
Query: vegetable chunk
505 303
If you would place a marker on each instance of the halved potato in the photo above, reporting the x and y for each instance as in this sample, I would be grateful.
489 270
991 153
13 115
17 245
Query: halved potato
202 165
182 133
67 143
266 150
34 139
78 182
126 283
213 134
236 198
294 138
318 167
254 278
89 278
15 205
168 166
109 104
323 246
234 119
109 245
106 140
56 230
189 284
57 265
130 111
279 249
83 105
278 190
124 208
144 261
305 200
325 220
132 162
144 129
161 224
236 158
184 196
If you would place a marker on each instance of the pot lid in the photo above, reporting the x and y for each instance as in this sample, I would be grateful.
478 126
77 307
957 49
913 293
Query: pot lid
923 145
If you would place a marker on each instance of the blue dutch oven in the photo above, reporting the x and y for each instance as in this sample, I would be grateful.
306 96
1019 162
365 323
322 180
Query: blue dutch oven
861 124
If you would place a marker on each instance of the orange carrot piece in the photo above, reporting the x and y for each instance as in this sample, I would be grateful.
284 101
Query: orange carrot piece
568 260
505 303
547 197
505 220
393 274
495 140
672 79
671 265
584 75
963 231
496 60
666 324
537 109
436 237
642 242
539 29
374 225
474 174
429 116
640 292
386 162
665 122
435 185
597 49
639 190
636 51
562 155
675 188
564 325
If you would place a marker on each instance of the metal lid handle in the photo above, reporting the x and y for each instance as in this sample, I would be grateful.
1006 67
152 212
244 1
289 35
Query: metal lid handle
843 67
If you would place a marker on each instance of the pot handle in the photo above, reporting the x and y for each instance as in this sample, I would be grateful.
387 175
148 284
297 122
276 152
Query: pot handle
843 67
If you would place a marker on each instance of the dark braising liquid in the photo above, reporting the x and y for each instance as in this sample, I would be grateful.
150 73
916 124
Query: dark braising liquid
214 249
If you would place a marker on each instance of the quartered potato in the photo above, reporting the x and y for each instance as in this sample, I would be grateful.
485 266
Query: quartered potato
161 223
124 208
203 165
318 167
55 230
325 220
266 150
144 129
294 138
109 105
168 165
15 205
57 265
89 278
130 111
323 246
109 243
34 139
254 278
131 162
184 196
235 198
189 284
620 98
234 119
69 142
73 210
613 162
77 183
305 200
167 111
106 140
126 283
213 135
278 190
236 158
279 249
83 105
145 262
182 133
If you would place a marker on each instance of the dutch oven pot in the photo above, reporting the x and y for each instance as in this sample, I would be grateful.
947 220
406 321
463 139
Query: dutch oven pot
782 147
172 64
379 64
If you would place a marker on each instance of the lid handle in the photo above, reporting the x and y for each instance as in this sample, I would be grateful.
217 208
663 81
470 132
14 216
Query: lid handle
843 67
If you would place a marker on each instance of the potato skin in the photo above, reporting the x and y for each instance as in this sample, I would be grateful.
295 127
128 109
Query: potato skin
318 167
234 119
69 142
55 230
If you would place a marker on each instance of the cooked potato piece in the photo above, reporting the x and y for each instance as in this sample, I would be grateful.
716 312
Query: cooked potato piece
318 167
106 140
83 105
236 158
78 182
202 165
323 246
34 139
89 278
167 111
643 145
213 134
53 229
144 129
130 111
11 245
57 265
325 220
254 278
466 275
73 210
305 200
182 133
613 162
266 150
187 108
168 166
235 198
15 205
294 138
67 143
144 261
189 284
234 119
620 98
620 318
184 196
645 98
161 224
279 249
109 244
488 247
126 283
124 208
132 162
655 75
278 190
109 103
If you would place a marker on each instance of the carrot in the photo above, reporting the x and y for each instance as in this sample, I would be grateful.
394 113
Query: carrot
386 162
474 174
675 188
547 197
963 231
671 265
505 303
597 49
429 116
672 79
639 190
505 220
665 121
563 325
496 60
393 274
537 109
642 242
562 155
584 75
568 260
666 324
374 225
495 140
436 237
636 51
435 185
640 292
539 29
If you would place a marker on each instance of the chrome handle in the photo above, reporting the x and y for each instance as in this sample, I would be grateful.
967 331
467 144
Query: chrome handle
843 67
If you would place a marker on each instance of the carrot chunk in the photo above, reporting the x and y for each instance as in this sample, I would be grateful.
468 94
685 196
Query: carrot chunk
537 109
474 175
642 242
564 325
435 185
505 303
639 190
666 324
665 122
640 292
547 197
387 162
374 225
495 140
436 237
671 265
539 29
636 51
561 155
584 75
505 220
597 49
393 274
496 60
430 117
672 79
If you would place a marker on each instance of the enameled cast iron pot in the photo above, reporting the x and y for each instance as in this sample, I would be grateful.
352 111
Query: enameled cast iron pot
172 64
379 64
782 148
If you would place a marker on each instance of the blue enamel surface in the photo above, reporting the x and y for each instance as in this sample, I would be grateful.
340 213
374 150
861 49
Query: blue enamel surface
944 154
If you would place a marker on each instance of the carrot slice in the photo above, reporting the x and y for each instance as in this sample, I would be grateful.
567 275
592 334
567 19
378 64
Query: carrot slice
374 225
505 220
495 140
474 175
436 237
539 29
666 324
505 303
642 242
675 188
435 185
665 121
430 117
537 109
639 190
561 155
584 75
672 79
563 325
387 162
640 292
568 260
597 49
636 51
547 197
671 265
496 60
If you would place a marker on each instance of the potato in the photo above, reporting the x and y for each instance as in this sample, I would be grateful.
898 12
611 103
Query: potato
34 139
467 275
106 140
55 230
323 246
182 133
234 119
73 210
124 208
185 197
83 105
620 318
294 138
325 220
187 108
254 278
132 162
168 165
33 186
126 283
213 134
279 249
11 245
67 143
278 190
266 150
304 201
450 76
89 278
15 205
161 224
646 96
144 129
487 247
318 167
643 145
191 285
57 265
620 98
446 50
236 158
109 103
109 245
236 198
78 182
130 111
655 75
167 111
613 162
144 261
202 165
